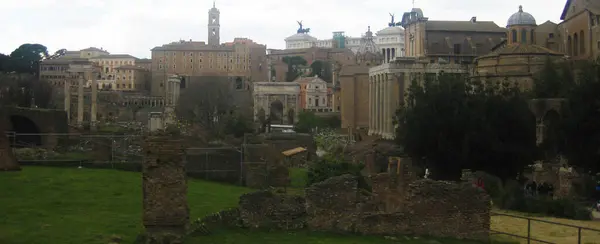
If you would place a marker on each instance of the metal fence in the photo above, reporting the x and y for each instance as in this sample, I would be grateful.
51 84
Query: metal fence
215 163
530 239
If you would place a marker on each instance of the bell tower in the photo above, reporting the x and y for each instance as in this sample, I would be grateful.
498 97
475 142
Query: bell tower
213 26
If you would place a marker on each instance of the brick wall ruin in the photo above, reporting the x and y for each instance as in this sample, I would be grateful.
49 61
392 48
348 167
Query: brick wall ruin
165 208
399 204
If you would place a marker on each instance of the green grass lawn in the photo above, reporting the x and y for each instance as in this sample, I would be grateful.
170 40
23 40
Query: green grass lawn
61 206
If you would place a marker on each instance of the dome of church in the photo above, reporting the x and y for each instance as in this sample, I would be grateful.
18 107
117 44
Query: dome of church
300 37
521 18
392 30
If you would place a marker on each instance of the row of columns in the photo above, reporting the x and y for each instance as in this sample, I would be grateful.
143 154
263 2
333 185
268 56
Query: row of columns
381 109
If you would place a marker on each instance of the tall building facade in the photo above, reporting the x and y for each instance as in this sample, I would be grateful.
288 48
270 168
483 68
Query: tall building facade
242 60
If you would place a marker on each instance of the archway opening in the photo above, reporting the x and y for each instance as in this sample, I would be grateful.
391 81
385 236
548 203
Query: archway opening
276 114
27 133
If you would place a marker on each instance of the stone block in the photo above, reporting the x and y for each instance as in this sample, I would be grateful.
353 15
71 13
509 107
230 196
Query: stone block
265 209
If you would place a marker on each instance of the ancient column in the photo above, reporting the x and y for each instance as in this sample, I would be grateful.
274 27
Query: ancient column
80 101
68 100
165 208
388 101
93 108
370 105
377 105
380 105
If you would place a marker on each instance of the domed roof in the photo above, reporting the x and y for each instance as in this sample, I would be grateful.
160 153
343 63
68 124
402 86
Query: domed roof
300 37
392 30
521 18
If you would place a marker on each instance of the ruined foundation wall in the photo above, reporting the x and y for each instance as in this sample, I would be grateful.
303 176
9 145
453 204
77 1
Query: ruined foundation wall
165 208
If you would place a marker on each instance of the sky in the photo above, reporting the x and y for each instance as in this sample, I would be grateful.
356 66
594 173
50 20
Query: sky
136 26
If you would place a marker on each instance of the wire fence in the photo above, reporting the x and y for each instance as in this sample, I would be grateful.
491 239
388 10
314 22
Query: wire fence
75 147
583 234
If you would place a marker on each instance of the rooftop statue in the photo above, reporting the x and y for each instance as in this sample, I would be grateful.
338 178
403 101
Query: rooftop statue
300 29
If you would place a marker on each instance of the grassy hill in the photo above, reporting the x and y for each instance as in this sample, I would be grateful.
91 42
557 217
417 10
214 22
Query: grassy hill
62 206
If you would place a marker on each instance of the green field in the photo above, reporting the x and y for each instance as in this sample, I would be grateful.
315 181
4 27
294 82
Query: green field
58 205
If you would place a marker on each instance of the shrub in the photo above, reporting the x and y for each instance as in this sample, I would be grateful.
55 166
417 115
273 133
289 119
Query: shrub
331 166
513 198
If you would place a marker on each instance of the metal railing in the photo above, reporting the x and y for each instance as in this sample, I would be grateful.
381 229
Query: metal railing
529 238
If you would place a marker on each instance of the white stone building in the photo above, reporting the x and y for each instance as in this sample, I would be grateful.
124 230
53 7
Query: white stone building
389 40
277 101
313 94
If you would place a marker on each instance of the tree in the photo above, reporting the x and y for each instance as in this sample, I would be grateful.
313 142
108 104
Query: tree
323 69
207 103
308 120
26 58
293 63
4 62
23 90
553 81
580 120
450 123
238 125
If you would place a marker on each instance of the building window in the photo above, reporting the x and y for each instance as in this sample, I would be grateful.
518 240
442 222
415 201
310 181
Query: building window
532 36
551 35
191 60
514 36
456 48
160 66
524 36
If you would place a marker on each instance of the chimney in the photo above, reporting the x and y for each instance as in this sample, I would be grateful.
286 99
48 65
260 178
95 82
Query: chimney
474 19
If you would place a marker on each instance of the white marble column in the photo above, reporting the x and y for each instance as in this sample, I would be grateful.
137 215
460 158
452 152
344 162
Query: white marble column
388 105
370 104
93 108
376 105
68 99
379 104
80 101
386 118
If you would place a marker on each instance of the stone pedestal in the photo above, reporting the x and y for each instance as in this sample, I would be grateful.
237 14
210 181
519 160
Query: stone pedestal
165 207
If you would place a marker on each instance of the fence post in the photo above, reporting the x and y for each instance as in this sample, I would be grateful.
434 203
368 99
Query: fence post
528 231
579 235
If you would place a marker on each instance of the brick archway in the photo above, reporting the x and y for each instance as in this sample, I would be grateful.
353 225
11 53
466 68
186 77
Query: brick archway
34 127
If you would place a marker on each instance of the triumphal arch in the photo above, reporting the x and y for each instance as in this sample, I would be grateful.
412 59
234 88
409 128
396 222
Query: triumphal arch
277 102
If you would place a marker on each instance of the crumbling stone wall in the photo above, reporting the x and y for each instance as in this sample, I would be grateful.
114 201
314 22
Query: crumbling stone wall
396 206
448 209
165 209
331 205
265 209
431 208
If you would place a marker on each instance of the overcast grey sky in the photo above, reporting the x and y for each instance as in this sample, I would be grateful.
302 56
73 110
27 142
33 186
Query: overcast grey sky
136 26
